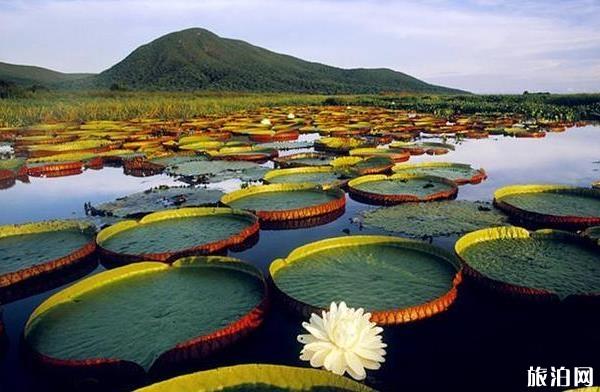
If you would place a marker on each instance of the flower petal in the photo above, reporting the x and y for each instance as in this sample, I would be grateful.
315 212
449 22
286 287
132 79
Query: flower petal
318 358
354 363
316 332
356 376
334 362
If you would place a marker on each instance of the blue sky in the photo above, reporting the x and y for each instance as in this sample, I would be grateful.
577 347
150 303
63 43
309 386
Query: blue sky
485 46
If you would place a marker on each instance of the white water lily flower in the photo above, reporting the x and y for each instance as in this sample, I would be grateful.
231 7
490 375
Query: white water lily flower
265 121
291 116
343 340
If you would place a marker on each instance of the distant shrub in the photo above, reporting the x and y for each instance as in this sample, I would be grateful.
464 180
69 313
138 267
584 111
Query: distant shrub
8 90
117 87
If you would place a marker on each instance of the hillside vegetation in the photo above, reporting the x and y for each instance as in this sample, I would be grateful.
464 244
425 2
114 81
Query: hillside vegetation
196 59
27 75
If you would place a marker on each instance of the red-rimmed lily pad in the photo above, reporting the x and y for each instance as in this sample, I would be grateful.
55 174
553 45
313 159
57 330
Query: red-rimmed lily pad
360 166
326 176
400 188
398 280
458 172
281 202
555 206
33 250
147 317
170 234
304 159
543 265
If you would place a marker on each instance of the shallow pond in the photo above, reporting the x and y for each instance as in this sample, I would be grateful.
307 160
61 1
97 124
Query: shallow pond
479 342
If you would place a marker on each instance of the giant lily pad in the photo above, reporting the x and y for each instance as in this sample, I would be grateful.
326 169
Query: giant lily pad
215 171
286 145
277 202
359 166
556 206
340 144
148 315
31 250
259 377
156 199
202 146
400 188
435 219
397 279
244 153
304 159
166 235
395 155
71 146
545 264
431 148
320 175
457 172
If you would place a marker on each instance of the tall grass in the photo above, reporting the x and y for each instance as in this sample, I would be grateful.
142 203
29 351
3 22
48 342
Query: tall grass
106 105
86 106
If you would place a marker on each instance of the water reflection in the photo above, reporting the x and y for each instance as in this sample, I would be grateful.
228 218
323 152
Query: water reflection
63 197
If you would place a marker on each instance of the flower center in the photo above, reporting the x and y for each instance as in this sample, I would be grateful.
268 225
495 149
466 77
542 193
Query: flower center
345 332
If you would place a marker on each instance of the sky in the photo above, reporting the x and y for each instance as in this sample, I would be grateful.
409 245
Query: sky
484 46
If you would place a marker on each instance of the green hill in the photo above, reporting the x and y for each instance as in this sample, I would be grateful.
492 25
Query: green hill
27 75
196 59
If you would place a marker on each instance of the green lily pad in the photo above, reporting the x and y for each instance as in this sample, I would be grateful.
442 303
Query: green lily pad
458 172
279 200
138 312
377 273
435 219
157 199
260 377
176 160
216 171
556 203
417 187
175 231
24 246
399 188
305 159
286 145
553 261
321 175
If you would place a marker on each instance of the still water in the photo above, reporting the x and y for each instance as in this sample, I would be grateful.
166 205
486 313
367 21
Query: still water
480 342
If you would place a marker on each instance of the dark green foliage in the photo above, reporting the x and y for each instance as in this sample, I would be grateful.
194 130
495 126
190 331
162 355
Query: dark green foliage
29 76
116 87
570 107
196 59
8 90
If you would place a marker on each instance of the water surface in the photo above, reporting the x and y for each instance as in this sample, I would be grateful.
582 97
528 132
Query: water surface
477 341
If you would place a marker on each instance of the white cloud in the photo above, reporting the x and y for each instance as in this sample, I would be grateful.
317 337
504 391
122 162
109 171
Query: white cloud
483 46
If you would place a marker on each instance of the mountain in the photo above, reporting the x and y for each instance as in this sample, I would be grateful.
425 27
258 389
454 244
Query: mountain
196 59
27 75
